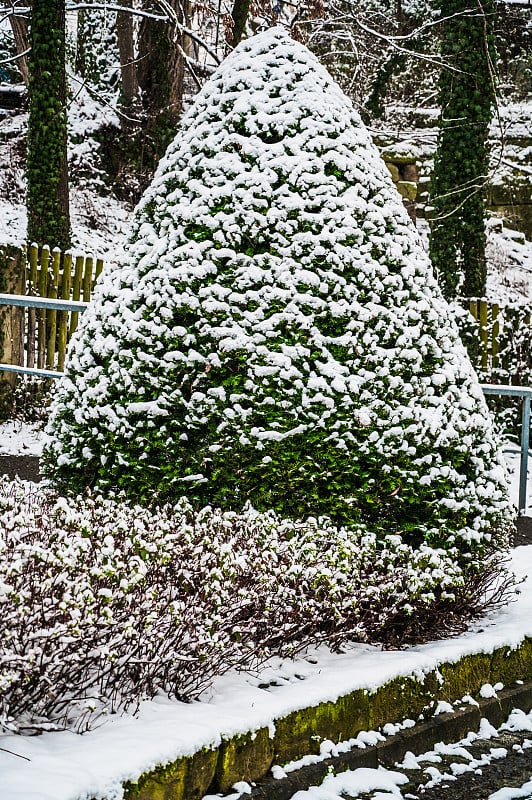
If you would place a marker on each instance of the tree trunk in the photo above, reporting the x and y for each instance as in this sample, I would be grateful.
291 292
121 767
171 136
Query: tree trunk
461 163
239 14
19 26
126 48
160 73
46 165
81 52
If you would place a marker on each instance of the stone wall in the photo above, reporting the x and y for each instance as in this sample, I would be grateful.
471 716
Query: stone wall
249 757
409 152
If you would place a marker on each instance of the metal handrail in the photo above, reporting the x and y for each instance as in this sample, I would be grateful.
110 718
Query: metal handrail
42 302
39 302
525 392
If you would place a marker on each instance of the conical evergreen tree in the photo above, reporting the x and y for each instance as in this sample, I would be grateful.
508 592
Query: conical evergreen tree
274 333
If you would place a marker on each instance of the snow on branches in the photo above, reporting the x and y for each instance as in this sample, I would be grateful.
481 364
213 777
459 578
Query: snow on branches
103 604
274 334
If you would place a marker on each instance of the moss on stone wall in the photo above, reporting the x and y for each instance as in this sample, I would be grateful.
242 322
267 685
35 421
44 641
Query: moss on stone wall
184 779
248 757
302 731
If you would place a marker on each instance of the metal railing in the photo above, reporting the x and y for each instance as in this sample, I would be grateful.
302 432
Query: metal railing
38 302
525 393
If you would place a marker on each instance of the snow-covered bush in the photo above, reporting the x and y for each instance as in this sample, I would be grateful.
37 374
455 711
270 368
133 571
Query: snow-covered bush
274 334
103 603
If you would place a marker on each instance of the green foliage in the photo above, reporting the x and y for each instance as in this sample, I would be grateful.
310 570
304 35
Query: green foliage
46 167
274 335
467 95
97 50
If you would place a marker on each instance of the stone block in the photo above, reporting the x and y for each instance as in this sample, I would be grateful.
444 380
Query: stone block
394 171
407 189
466 676
244 758
302 731
509 665
163 783
200 774
185 779
401 698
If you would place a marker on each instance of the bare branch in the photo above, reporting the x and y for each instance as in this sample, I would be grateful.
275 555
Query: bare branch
15 58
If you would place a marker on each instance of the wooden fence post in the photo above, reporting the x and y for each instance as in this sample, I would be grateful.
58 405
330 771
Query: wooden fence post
52 315
62 333
41 313
484 334
12 281
33 254
495 334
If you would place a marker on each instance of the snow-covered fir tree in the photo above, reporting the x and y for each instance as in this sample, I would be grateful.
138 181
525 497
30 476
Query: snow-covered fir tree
273 333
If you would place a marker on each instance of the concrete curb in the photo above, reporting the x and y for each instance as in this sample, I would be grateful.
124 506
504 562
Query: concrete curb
447 728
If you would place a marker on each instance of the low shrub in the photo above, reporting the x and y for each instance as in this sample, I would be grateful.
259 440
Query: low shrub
104 604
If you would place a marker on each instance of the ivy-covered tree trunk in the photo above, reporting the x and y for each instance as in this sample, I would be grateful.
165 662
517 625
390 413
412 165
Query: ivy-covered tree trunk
46 166
97 49
467 96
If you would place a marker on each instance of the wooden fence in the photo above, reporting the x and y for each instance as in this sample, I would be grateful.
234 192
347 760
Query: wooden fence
38 337
488 318
502 341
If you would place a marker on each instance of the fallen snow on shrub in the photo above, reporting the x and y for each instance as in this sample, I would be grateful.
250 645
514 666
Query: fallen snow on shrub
273 337
274 333
103 604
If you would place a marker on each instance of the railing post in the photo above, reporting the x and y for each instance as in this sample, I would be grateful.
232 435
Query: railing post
525 441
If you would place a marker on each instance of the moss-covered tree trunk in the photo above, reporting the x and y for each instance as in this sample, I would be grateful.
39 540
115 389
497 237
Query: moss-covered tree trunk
467 96
46 167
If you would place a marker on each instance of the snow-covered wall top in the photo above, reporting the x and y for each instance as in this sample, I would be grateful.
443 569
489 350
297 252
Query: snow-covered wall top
274 333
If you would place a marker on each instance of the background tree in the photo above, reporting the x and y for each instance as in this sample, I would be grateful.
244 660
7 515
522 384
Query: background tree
161 71
19 26
239 16
467 97
47 199
97 59
126 46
